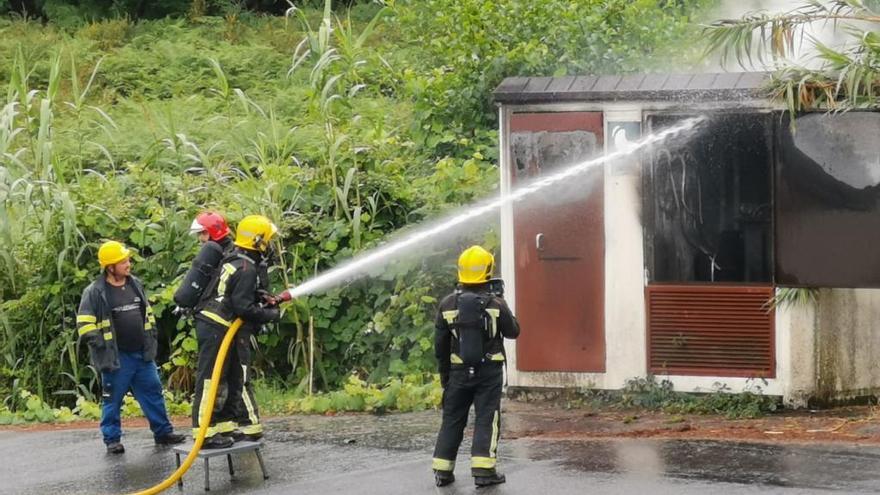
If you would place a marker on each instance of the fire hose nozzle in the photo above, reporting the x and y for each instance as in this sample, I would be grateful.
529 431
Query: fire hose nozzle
285 296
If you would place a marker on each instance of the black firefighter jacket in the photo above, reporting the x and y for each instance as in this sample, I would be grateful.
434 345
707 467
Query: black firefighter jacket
95 325
237 294
503 325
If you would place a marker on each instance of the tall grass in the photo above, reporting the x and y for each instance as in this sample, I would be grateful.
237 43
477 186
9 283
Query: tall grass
126 130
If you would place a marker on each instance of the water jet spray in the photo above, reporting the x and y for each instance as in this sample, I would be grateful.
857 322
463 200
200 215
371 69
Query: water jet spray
381 254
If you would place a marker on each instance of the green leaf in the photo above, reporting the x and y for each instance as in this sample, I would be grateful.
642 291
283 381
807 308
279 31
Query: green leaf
189 344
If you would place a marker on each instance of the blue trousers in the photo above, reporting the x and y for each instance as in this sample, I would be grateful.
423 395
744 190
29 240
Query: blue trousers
142 378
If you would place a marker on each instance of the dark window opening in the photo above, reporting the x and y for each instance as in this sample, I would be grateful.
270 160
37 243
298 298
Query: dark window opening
708 202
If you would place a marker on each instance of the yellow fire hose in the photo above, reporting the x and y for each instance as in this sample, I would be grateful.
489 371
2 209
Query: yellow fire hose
205 417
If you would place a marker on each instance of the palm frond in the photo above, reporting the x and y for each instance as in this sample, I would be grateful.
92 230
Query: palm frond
790 297
848 76
777 33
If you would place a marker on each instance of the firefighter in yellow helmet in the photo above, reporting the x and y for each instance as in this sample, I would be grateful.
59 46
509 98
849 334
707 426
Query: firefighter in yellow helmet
470 327
238 292
116 322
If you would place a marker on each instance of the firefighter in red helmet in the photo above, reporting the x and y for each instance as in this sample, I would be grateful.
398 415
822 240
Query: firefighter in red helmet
213 233
212 226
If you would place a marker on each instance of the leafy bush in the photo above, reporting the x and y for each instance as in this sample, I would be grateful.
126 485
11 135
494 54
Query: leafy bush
649 394
344 129
747 404
472 45
34 410
412 393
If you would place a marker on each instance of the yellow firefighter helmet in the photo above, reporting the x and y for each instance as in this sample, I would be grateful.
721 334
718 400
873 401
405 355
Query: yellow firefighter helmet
475 265
112 252
254 232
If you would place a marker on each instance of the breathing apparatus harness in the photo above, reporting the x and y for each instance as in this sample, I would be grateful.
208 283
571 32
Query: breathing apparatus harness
472 325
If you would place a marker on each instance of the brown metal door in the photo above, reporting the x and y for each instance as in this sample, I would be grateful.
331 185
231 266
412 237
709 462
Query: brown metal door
559 244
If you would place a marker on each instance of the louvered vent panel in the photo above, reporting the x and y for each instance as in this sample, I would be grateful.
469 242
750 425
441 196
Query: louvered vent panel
711 330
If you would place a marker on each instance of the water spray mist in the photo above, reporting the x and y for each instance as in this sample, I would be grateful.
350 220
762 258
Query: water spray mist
382 254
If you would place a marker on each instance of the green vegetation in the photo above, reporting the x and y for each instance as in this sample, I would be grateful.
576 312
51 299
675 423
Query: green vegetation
648 393
412 393
846 76
344 126
31 408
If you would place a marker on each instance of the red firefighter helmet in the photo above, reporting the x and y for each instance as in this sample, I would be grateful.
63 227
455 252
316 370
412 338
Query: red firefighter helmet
212 223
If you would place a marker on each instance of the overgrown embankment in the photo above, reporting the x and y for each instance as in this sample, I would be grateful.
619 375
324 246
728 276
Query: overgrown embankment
342 126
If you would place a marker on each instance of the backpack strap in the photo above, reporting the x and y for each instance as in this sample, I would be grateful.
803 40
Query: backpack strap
208 293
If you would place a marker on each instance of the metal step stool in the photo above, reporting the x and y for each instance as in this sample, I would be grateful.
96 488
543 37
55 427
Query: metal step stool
207 454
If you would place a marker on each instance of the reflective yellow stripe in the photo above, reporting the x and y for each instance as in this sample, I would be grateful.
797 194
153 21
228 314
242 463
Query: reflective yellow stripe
449 316
206 385
482 463
86 319
246 397
216 317
228 270
148 326
495 314
91 327
225 427
493 447
210 433
442 464
252 429
455 359
108 335
496 357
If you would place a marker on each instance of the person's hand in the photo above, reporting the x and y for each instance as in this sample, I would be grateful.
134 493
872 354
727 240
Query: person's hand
268 299
273 313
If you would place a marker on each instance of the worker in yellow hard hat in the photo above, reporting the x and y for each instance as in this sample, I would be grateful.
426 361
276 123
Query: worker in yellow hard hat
470 326
116 322
239 292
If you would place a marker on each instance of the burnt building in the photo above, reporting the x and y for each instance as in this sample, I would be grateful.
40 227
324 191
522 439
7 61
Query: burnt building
665 260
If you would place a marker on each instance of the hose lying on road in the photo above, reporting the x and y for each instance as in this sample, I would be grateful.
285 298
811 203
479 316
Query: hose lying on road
205 418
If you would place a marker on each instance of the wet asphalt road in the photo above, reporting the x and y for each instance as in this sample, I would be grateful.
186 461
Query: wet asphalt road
391 455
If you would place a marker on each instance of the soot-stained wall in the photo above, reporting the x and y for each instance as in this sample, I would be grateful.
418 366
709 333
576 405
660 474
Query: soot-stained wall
827 208
709 202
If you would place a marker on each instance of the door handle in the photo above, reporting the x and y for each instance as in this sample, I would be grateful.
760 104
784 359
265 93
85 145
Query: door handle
539 242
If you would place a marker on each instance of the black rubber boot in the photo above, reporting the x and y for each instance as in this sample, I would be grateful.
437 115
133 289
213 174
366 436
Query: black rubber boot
238 436
115 448
217 442
443 478
170 439
492 479
253 437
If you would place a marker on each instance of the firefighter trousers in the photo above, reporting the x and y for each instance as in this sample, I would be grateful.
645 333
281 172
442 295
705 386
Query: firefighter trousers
235 407
482 388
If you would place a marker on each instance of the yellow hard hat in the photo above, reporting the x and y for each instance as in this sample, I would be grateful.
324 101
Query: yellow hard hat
112 252
254 232
475 265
